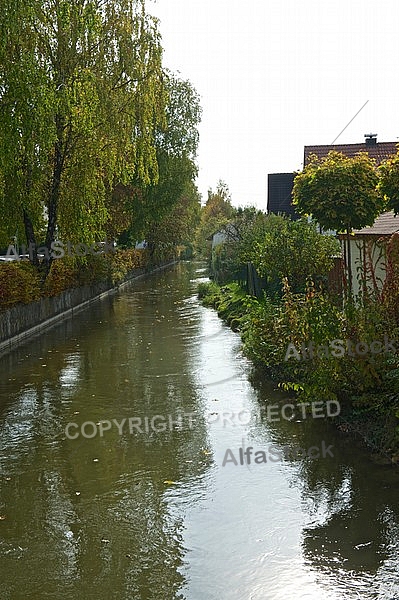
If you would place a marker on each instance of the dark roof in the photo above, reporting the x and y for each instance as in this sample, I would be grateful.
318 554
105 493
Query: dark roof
385 224
279 194
379 151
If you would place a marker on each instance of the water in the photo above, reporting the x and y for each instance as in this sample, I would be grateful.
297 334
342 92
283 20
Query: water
146 511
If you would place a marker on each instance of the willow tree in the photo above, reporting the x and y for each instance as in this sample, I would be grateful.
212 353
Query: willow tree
176 152
82 94
340 193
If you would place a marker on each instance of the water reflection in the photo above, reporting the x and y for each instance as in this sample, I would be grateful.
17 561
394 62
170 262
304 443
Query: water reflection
151 515
351 538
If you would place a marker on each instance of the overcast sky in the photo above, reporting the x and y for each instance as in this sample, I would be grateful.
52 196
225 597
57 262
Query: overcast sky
276 75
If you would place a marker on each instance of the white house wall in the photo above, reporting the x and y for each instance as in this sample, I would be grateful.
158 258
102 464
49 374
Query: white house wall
357 265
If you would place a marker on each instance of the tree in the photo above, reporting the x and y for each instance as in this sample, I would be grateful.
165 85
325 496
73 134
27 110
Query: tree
178 226
339 193
217 212
229 257
176 151
81 92
389 182
293 250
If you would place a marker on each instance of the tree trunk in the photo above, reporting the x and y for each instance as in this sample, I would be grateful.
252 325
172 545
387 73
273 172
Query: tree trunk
30 238
54 197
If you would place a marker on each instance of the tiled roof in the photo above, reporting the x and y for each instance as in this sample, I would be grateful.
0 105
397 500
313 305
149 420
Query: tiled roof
379 151
385 224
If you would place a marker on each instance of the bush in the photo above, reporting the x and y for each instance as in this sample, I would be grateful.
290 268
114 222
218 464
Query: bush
124 261
208 292
19 283
62 276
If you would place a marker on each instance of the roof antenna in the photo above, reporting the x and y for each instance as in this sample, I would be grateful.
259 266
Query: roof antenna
346 126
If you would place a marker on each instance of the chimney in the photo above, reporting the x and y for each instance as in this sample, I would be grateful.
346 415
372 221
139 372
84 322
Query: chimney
371 139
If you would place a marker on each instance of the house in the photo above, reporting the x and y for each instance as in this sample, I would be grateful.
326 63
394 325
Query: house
378 151
368 253
279 194
367 248
280 185
227 232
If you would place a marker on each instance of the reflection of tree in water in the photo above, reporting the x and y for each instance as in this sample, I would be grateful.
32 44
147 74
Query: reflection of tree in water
361 530
99 510
353 528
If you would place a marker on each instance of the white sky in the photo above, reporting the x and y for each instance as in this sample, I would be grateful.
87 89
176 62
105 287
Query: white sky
276 75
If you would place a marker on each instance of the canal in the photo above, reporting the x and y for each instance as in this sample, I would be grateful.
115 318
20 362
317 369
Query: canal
121 433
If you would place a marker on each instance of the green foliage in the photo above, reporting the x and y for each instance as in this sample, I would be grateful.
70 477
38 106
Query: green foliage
276 246
19 283
224 264
82 96
216 213
208 292
230 301
298 319
339 192
292 250
167 211
228 258
388 184
177 226
253 228
63 275
390 290
125 261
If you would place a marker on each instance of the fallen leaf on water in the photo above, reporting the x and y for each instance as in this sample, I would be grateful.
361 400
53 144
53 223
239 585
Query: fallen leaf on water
2 517
169 482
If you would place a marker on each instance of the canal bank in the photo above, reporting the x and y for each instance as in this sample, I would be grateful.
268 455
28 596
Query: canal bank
154 514
24 321
355 374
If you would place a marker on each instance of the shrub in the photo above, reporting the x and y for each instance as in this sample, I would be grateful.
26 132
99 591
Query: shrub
19 283
124 261
63 275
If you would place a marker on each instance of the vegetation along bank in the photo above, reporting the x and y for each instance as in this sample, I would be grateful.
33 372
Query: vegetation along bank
272 282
